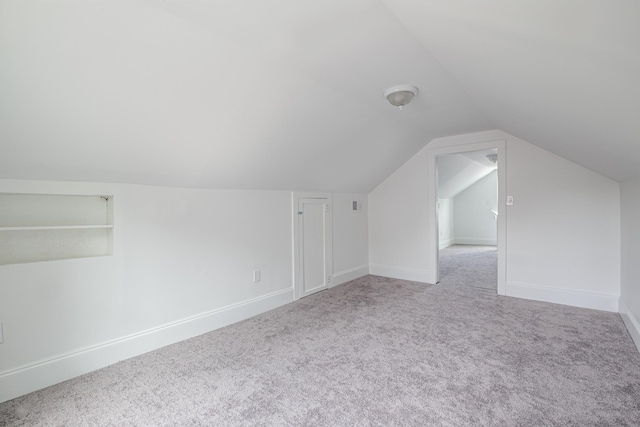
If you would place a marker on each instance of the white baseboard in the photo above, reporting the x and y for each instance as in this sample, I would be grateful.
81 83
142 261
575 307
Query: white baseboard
597 301
446 243
402 273
631 322
349 275
471 241
27 379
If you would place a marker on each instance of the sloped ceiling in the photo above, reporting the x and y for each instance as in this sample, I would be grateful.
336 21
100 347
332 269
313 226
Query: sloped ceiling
287 94
457 172
560 74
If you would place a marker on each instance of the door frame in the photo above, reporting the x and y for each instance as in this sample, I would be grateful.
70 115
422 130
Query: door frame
298 285
432 217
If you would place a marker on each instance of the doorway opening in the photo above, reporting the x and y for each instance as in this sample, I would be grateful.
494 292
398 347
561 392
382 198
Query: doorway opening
467 194
312 243
471 256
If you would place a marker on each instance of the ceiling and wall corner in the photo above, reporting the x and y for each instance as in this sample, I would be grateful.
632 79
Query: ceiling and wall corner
279 96
562 235
288 95
561 75
457 172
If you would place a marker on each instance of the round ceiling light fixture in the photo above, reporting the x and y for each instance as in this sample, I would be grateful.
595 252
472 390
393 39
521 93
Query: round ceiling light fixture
401 95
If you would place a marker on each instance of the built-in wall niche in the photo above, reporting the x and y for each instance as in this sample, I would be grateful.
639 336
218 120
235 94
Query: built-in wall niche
47 227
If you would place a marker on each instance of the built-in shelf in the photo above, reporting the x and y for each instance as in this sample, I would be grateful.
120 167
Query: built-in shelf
48 227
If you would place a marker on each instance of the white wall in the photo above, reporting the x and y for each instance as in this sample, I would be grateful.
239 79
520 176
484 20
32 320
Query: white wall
446 222
350 238
183 265
630 231
398 228
563 232
474 223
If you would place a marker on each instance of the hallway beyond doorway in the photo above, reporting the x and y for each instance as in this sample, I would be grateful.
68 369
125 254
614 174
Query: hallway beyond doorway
469 265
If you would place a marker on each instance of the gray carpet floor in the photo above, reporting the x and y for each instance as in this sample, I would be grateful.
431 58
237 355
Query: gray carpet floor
469 265
372 352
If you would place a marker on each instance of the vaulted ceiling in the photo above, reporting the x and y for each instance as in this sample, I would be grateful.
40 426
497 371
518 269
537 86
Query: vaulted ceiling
457 172
287 94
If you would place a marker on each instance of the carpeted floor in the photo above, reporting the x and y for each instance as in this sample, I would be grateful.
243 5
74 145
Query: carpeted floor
373 352
469 265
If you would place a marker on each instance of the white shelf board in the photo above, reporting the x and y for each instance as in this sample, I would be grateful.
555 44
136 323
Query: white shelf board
55 227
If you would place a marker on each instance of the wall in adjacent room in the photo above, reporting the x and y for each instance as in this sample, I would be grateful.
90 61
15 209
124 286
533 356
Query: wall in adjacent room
446 222
474 221
630 232
563 231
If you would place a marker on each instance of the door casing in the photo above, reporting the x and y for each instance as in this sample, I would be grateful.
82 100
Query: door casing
433 242
298 235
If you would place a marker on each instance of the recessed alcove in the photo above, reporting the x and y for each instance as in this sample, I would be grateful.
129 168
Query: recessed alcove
47 227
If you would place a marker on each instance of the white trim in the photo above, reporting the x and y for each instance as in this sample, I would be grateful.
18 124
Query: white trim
573 297
295 224
55 227
349 275
446 243
453 147
472 241
26 379
402 273
631 322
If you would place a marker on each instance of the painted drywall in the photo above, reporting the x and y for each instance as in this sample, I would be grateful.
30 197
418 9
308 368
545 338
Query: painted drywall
181 256
398 229
456 172
284 96
630 234
563 232
446 223
350 237
560 74
474 221
563 229
183 265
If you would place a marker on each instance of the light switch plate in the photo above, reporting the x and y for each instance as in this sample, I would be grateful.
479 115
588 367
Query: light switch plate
509 200
1 334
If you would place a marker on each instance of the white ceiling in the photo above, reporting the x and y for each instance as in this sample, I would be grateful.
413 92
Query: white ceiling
560 74
457 172
288 94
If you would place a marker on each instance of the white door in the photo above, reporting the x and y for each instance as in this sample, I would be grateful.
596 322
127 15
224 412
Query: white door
314 245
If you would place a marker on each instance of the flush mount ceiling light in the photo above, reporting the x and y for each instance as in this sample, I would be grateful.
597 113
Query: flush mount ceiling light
399 96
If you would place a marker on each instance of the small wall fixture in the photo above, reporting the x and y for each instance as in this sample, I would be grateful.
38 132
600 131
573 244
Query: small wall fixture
399 96
493 157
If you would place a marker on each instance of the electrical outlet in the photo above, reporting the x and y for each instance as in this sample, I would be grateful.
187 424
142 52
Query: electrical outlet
256 276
